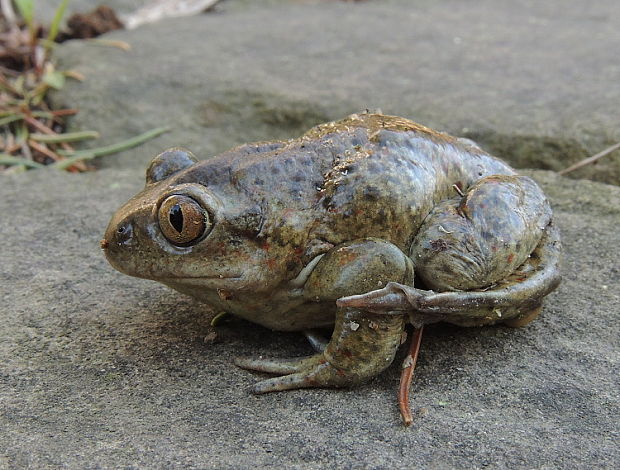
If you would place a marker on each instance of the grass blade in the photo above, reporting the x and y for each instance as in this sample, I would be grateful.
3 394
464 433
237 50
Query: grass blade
66 137
10 160
70 161
26 10
55 26
73 157
9 119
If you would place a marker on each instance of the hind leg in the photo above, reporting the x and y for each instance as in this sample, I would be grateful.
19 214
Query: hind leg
480 238
489 257
362 346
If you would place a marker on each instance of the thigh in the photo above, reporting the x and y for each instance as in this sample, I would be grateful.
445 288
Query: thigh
474 241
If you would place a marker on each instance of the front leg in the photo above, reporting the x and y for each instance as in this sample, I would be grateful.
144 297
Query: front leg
363 343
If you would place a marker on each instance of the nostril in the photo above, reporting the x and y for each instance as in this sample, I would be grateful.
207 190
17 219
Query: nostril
124 233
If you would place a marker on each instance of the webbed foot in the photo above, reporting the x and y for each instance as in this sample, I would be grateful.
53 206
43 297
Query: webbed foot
312 371
361 346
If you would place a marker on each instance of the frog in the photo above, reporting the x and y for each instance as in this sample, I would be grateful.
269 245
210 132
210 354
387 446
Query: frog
361 226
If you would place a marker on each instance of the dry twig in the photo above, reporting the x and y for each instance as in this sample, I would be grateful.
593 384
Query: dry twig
592 159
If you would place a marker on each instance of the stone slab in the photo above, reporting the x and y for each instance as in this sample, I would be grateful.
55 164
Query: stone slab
103 371
536 83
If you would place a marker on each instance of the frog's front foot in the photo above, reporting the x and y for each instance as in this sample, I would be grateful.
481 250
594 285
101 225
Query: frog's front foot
362 346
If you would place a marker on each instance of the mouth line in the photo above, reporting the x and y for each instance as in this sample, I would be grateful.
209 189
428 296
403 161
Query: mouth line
218 277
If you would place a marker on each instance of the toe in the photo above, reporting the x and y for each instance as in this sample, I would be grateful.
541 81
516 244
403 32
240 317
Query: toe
272 366
317 373
286 382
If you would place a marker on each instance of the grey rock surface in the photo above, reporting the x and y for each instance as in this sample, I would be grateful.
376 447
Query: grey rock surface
103 371
533 82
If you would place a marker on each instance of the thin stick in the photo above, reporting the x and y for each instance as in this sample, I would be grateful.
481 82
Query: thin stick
406 376
591 159
53 113
44 150
125 46
77 166
63 112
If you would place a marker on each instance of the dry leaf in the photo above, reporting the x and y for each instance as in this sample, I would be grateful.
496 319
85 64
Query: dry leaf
166 9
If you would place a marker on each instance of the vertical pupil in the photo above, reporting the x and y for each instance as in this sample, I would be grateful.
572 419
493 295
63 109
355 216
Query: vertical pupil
176 218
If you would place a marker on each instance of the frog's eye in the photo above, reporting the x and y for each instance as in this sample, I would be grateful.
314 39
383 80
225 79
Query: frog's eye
182 220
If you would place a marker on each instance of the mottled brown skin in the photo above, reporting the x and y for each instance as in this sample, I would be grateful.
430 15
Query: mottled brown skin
328 229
